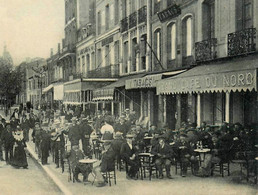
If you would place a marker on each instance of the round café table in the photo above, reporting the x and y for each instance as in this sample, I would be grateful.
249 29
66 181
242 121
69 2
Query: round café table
202 152
89 161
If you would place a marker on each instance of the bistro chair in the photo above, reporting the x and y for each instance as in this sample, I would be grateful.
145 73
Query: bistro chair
147 164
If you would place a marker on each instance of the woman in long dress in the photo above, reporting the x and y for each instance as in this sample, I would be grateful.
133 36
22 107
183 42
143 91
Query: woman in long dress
19 155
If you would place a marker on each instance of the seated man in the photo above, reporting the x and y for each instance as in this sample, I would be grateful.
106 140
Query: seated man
74 156
163 154
107 163
129 155
186 154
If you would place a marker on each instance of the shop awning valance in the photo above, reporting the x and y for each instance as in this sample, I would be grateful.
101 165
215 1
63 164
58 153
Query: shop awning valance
236 75
107 92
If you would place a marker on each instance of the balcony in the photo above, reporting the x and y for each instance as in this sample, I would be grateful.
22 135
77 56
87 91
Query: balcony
142 14
242 42
132 20
206 50
111 71
124 24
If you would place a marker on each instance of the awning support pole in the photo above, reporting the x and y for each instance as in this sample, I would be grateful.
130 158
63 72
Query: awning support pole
227 103
198 109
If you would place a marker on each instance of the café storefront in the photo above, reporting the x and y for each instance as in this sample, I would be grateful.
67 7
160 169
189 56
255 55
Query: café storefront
214 93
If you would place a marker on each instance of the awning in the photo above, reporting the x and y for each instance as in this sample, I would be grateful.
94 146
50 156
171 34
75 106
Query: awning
236 75
107 92
73 89
149 81
45 90
59 92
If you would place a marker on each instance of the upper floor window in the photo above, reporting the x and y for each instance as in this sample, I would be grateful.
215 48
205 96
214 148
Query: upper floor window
83 65
107 17
244 14
157 6
171 44
117 52
208 19
107 55
187 38
116 11
125 57
99 22
157 45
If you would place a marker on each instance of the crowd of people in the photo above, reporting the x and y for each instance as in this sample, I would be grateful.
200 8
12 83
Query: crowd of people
75 135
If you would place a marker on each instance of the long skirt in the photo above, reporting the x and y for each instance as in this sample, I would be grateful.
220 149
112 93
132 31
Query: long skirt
19 157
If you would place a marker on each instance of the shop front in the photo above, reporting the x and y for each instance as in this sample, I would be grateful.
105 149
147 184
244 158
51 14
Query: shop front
226 91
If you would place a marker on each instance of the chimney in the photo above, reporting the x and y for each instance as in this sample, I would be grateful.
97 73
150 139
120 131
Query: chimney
51 52
59 47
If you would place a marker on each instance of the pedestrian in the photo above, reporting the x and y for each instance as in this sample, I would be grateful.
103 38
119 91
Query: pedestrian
45 144
8 141
19 157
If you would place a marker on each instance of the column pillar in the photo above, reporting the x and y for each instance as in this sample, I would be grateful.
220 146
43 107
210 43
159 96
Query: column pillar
198 109
150 106
227 107
142 104
112 108
165 109
97 107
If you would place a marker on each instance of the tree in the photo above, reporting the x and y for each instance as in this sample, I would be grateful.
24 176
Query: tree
10 82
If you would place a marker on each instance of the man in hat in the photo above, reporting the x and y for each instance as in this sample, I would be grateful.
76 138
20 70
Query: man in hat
74 133
129 154
74 156
121 126
163 153
86 131
116 144
36 135
8 141
45 143
99 120
186 154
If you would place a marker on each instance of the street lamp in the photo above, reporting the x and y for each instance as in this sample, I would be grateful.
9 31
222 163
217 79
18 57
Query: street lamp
152 51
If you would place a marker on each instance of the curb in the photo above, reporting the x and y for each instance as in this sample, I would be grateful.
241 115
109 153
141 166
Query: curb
52 176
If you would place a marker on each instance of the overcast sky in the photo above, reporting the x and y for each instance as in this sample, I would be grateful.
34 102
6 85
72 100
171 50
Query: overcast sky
31 27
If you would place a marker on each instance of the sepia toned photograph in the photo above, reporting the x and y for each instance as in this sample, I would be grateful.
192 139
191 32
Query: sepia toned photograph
128 97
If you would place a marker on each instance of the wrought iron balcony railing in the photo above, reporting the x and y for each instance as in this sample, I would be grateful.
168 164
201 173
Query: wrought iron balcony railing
206 50
142 14
124 24
111 71
133 20
242 42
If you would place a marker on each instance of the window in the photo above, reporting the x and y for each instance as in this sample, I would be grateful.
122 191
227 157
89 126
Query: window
187 37
134 54
116 53
116 11
99 22
171 44
83 65
107 55
157 4
87 62
99 58
143 50
157 46
125 60
244 14
92 64
107 17
78 65
208 19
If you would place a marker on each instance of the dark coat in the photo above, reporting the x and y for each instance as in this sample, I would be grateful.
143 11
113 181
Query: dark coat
165 153
7 139
74 135
108 160
126 152
116 144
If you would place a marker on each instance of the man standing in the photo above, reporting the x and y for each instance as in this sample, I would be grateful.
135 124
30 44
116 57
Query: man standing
163 154
8 142
86 130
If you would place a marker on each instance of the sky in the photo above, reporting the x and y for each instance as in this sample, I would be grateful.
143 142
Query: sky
29 28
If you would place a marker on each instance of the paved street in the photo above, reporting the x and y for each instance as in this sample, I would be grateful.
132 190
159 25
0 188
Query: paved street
25 181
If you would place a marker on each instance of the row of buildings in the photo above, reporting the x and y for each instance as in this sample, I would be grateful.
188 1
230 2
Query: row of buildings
171 61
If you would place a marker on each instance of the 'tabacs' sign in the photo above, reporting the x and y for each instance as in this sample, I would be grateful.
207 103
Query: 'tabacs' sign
171 12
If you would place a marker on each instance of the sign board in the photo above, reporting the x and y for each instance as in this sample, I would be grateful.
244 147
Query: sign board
144 82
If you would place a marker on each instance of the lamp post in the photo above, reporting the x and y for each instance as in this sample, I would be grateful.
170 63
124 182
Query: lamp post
152 51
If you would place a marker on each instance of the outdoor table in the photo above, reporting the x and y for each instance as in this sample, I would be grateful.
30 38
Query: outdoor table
89 161
202 152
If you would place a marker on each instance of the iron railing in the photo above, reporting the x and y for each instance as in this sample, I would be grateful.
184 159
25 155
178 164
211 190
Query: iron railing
124 24
242 42
132 20
111 71
142 14
206 50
